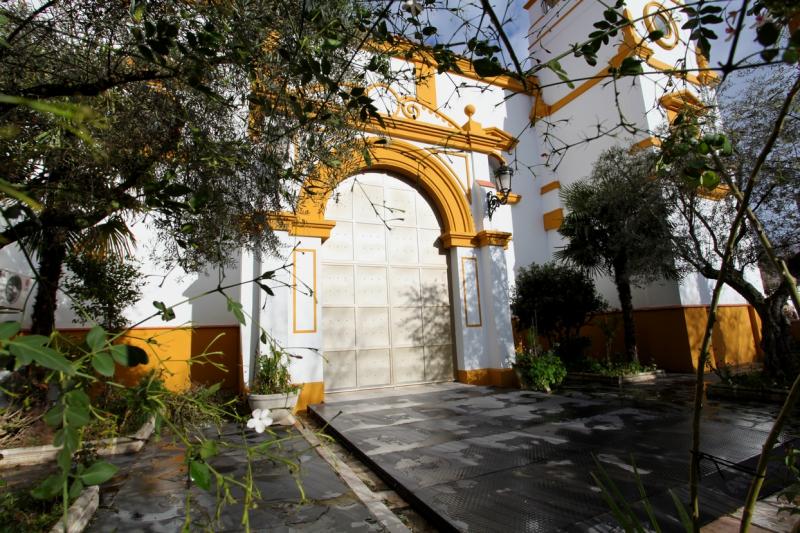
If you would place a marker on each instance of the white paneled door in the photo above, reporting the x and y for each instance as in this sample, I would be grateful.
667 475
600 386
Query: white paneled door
385 301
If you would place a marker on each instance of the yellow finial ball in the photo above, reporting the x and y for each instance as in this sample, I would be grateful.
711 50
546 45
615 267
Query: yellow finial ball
469 110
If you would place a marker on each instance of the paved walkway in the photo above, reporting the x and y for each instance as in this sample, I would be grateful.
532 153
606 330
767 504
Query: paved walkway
483 459
150 495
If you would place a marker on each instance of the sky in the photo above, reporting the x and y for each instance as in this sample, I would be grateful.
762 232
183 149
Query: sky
450 15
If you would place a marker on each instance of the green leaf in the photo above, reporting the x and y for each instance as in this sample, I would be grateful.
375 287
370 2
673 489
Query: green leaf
49 488
77 398
236 309
167 313
53 417
96 338
200 474
67 437
77 416
30 348
266 288
684 516
709 179
75 489
630 66
119 352
64 459
767 34
487 67
98 473
208 449
103 363
655 35
8 330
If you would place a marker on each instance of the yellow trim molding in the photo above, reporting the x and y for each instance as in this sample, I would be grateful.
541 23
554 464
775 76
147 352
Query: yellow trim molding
406 160
492 238
635 41
652 10
552 219
552 186
513 198
490 377
647 142
675 102
311 393
471 137
425 78
558 21
541 109
463 67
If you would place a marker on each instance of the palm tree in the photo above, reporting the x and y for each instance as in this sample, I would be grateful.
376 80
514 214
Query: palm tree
618 224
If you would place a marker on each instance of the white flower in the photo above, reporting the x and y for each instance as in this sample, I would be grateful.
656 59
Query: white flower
260 421
412 6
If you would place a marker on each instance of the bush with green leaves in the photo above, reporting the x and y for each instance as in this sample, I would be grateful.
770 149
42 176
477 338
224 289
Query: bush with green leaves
102 286
541 372
557 300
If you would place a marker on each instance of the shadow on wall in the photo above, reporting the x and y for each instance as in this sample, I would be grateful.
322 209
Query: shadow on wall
735 339
214 349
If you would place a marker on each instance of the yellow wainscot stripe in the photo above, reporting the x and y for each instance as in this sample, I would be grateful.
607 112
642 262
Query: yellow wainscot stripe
552 219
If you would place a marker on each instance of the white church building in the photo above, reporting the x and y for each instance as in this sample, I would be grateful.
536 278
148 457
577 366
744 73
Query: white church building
400 274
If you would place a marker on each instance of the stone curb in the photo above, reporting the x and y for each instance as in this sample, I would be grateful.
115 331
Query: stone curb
583 377
376 507
80 512
33 455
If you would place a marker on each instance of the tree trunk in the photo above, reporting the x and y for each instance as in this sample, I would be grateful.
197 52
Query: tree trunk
51 260
623 283
780 363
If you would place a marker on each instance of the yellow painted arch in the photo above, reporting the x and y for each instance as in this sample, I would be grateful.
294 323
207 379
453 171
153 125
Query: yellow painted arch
407 161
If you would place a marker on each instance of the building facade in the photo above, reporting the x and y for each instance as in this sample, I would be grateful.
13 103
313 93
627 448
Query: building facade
397 275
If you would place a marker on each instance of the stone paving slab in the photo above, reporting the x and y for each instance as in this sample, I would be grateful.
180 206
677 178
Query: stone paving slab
485 459
153 496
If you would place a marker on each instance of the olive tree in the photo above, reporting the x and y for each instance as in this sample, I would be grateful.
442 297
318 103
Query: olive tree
618 224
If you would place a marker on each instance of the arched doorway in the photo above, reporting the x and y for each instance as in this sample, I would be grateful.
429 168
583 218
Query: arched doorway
386 317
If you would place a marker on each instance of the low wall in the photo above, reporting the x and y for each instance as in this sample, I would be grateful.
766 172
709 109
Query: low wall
202 355
671 336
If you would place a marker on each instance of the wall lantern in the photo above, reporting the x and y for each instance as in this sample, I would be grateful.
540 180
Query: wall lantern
502 182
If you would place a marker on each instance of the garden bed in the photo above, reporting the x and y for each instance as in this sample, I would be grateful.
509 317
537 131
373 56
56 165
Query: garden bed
591 377
32 455
728 391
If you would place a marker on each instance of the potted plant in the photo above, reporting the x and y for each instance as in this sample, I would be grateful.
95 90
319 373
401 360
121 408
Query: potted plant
272 387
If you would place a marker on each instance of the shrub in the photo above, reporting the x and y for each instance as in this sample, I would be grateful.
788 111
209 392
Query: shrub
543 372
103 286
556 300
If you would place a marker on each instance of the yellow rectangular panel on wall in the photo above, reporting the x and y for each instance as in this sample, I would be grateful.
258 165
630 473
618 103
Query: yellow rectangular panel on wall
304 294
472 294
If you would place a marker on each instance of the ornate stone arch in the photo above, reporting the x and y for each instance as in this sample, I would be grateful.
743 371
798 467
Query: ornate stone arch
410 162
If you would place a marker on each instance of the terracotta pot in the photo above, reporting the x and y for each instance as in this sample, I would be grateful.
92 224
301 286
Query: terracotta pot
280 405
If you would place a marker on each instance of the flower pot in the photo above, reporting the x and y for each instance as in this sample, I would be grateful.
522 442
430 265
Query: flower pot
280 405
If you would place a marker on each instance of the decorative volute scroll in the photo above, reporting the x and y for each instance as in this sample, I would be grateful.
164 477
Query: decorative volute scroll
408 118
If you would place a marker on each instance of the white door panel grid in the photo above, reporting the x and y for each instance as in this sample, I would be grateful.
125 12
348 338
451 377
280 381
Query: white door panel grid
386 317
